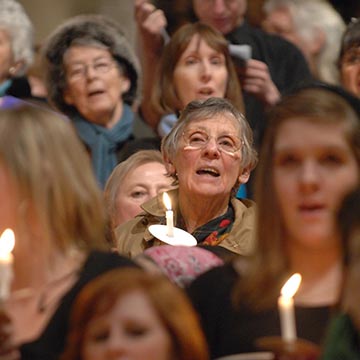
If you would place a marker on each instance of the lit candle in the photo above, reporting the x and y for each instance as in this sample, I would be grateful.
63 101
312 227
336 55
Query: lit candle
286 308
7 242
169 215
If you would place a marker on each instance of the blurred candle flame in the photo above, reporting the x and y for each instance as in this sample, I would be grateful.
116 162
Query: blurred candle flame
7 243
291 286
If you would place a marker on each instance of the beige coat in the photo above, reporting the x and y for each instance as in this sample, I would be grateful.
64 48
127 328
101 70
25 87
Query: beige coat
133 237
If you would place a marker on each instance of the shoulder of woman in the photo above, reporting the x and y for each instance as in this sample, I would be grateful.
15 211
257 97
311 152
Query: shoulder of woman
243 203
244 208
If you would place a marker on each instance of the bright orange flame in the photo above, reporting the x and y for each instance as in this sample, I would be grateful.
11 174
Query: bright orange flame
167 201
291 286
7 242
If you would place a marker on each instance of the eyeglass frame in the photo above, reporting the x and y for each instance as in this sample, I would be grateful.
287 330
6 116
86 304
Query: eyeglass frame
192 147
81 74
351 56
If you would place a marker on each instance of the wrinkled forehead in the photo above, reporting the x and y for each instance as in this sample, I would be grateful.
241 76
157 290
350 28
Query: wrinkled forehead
220 122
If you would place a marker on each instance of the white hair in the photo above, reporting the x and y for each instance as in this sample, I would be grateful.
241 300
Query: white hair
310 16
17 24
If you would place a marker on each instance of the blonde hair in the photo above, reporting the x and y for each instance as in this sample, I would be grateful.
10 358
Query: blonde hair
119 173
53 175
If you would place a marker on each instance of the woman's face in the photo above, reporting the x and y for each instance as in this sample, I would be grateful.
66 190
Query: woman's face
140 185
200 73
131 330
314 167
5 55
94 84
350 70
202 167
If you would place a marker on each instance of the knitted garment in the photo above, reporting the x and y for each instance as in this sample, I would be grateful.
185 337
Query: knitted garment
182 264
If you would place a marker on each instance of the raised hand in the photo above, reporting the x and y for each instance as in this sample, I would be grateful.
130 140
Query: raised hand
256 80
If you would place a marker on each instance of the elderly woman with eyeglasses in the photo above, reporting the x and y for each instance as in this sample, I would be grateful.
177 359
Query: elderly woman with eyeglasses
92 76
209 153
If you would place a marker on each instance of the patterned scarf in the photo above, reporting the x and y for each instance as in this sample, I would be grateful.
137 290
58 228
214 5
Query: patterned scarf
104 142
215 231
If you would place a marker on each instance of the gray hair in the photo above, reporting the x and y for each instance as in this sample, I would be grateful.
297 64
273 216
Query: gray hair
206 109
310 16
91 30
17 24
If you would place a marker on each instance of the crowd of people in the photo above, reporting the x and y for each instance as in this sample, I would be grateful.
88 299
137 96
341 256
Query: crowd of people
272 111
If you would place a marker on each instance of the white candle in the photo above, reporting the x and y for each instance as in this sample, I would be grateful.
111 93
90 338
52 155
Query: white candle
286 308
7 242
169 215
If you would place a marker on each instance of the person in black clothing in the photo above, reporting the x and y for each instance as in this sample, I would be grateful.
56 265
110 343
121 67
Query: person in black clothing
50 199
309 160
276 66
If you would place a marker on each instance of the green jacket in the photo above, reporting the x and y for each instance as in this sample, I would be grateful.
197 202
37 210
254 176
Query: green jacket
133 237
343 341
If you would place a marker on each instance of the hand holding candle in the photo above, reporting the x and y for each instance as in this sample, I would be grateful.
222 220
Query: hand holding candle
169 215
286 308
7 242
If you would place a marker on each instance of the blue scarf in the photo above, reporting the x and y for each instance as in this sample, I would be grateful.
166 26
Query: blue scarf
104 142
4 87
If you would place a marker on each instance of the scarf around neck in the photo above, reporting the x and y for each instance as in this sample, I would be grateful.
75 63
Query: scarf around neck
104 142
4 87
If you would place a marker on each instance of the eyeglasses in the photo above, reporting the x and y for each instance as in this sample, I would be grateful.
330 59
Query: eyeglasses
100 67
352 56
198 139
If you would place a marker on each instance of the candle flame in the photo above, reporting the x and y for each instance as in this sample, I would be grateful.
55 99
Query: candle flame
7 242
167 201
291 286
